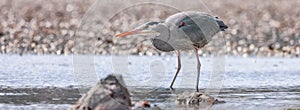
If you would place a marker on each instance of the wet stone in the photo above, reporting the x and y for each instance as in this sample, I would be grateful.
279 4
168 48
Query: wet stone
196 99
109 94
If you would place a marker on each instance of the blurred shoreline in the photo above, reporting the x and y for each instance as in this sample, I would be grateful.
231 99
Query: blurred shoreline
256 28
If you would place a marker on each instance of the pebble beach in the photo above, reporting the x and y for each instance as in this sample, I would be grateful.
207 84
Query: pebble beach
256 28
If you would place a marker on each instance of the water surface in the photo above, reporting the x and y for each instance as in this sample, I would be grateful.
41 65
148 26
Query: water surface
48 82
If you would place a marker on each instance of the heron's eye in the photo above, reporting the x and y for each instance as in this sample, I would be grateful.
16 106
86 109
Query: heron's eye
181 24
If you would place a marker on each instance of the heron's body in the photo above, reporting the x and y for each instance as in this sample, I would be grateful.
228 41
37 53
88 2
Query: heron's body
197 31
182 31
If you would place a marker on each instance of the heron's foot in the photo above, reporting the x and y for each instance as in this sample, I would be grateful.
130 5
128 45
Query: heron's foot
172 90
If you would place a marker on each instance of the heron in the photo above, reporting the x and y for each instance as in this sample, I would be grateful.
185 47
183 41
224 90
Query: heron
190 30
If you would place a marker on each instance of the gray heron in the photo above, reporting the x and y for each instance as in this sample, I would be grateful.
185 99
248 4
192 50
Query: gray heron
189 30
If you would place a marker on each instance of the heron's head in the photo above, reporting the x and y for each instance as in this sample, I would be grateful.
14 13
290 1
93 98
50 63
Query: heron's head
144 29
160 32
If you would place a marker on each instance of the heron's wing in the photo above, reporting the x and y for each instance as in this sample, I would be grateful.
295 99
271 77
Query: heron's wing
200 27
207 25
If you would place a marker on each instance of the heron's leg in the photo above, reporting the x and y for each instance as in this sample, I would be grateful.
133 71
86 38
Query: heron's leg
198 69
178 68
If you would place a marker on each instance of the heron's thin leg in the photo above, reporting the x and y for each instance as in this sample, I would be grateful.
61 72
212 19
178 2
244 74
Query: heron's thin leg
178 68
198 69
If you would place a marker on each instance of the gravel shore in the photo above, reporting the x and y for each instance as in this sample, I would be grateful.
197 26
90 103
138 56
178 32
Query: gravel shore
256 28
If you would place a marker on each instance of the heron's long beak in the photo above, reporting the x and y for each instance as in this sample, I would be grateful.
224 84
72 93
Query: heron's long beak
135 32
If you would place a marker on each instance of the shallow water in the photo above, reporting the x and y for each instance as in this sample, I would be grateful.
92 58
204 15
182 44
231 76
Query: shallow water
52 82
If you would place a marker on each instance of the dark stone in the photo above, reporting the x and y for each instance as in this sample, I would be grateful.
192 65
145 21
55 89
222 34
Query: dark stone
108 94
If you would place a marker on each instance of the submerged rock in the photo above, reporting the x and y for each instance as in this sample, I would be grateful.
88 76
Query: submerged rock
196 99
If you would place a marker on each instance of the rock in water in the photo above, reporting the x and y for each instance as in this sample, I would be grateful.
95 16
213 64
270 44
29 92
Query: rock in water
196 99
109 94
